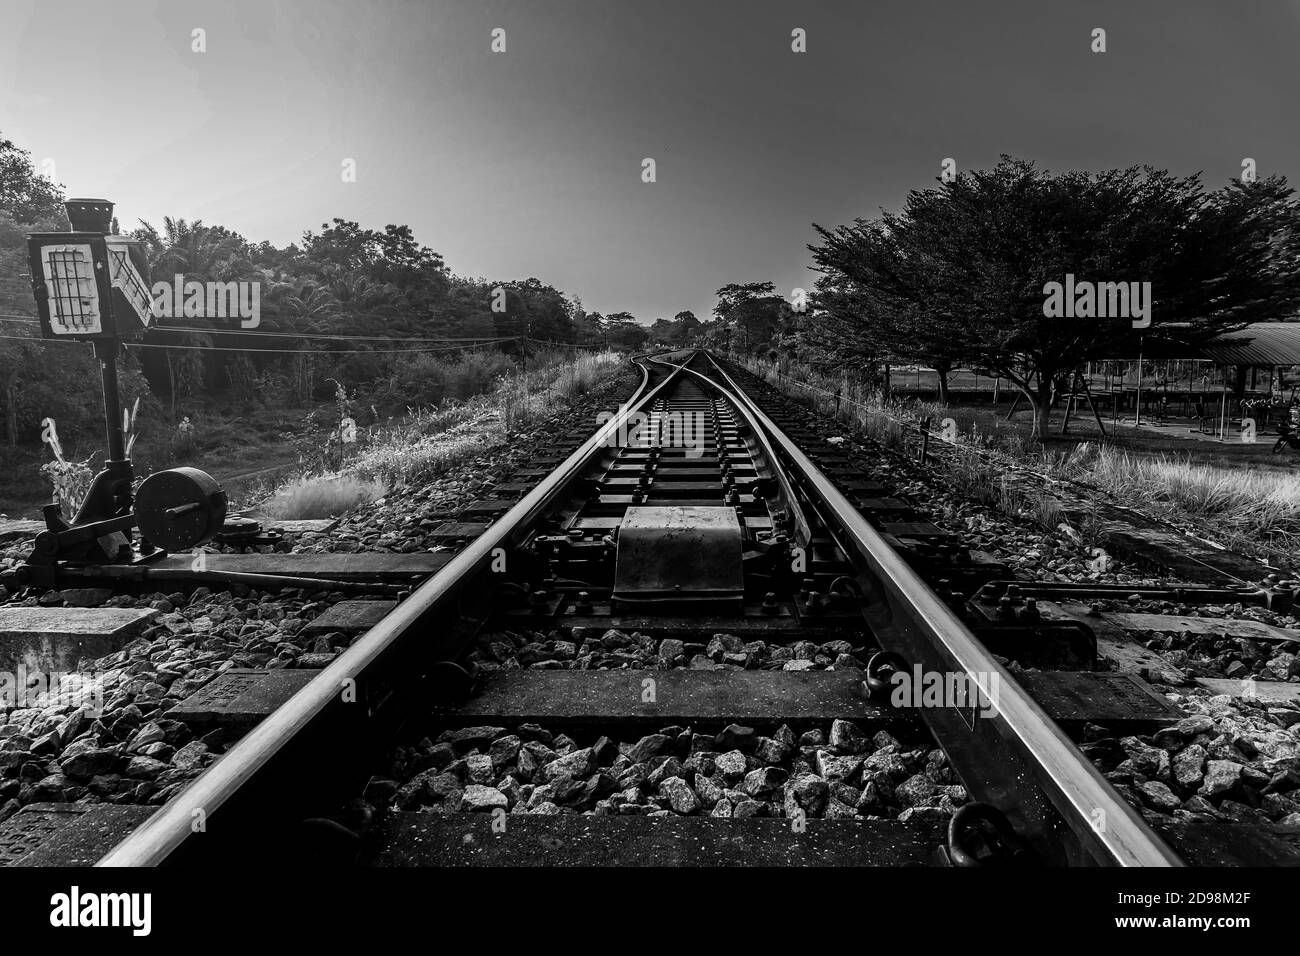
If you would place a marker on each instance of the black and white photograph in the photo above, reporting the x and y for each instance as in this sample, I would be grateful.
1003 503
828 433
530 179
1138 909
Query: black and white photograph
763 453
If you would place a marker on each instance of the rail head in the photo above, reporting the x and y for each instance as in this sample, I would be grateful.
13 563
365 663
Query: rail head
799 525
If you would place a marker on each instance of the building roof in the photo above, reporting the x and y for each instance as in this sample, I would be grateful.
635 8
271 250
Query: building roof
1260 343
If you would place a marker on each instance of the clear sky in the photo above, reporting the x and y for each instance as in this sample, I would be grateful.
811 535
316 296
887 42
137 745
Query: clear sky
528 162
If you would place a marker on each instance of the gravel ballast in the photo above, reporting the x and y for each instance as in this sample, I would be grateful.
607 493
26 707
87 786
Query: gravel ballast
833 773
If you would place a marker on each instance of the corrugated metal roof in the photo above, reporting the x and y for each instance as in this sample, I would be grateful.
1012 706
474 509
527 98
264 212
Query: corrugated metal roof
1260 343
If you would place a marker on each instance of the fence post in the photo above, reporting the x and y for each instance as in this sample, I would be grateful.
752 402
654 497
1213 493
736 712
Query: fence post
925 438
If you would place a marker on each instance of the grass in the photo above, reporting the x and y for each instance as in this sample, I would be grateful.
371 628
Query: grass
401 458
1241 508
321 496
275 459
524 398
1239 495
229 441
862 409
433 442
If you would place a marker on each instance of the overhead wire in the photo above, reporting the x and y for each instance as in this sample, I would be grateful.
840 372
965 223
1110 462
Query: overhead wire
221 348
310 336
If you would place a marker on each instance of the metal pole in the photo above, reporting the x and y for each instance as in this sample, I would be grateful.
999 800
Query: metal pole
1223 410
1138 419
106 352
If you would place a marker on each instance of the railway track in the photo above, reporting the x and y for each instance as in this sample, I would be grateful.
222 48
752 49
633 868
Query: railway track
835 682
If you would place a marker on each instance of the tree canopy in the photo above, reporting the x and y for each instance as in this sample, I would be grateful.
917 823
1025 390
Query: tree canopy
961 274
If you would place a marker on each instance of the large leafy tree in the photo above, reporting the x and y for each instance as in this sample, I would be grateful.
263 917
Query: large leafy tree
623 331
681 329
28 203
589 327
415 274
199 253
754 311
26 196
960 273
537 310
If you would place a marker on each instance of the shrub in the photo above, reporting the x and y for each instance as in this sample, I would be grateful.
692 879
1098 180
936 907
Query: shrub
428 442
71 481
408 459
424 379
321 496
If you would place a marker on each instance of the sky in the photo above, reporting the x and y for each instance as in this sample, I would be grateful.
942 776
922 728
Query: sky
529 162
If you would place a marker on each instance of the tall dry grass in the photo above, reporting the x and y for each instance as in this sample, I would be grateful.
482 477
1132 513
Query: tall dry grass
525 398
321 496
1242 508
430 442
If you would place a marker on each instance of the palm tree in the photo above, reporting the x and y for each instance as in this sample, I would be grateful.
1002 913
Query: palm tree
306 307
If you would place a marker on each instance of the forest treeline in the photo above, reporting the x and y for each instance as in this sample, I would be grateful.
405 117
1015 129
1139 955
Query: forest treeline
955 278
373 309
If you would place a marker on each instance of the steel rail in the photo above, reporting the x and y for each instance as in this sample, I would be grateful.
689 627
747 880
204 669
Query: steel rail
162 834
1069 780
800 528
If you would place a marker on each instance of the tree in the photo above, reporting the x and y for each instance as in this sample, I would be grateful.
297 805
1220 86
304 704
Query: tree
590 328
28 203
680 330
754 309
304 306
26 196
623 331
962 272
416 273
537 310
688 326
856 325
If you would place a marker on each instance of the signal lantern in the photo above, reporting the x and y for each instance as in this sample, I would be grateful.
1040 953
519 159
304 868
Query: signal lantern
89 285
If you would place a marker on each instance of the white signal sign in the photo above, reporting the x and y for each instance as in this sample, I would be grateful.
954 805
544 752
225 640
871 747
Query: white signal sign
73 294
